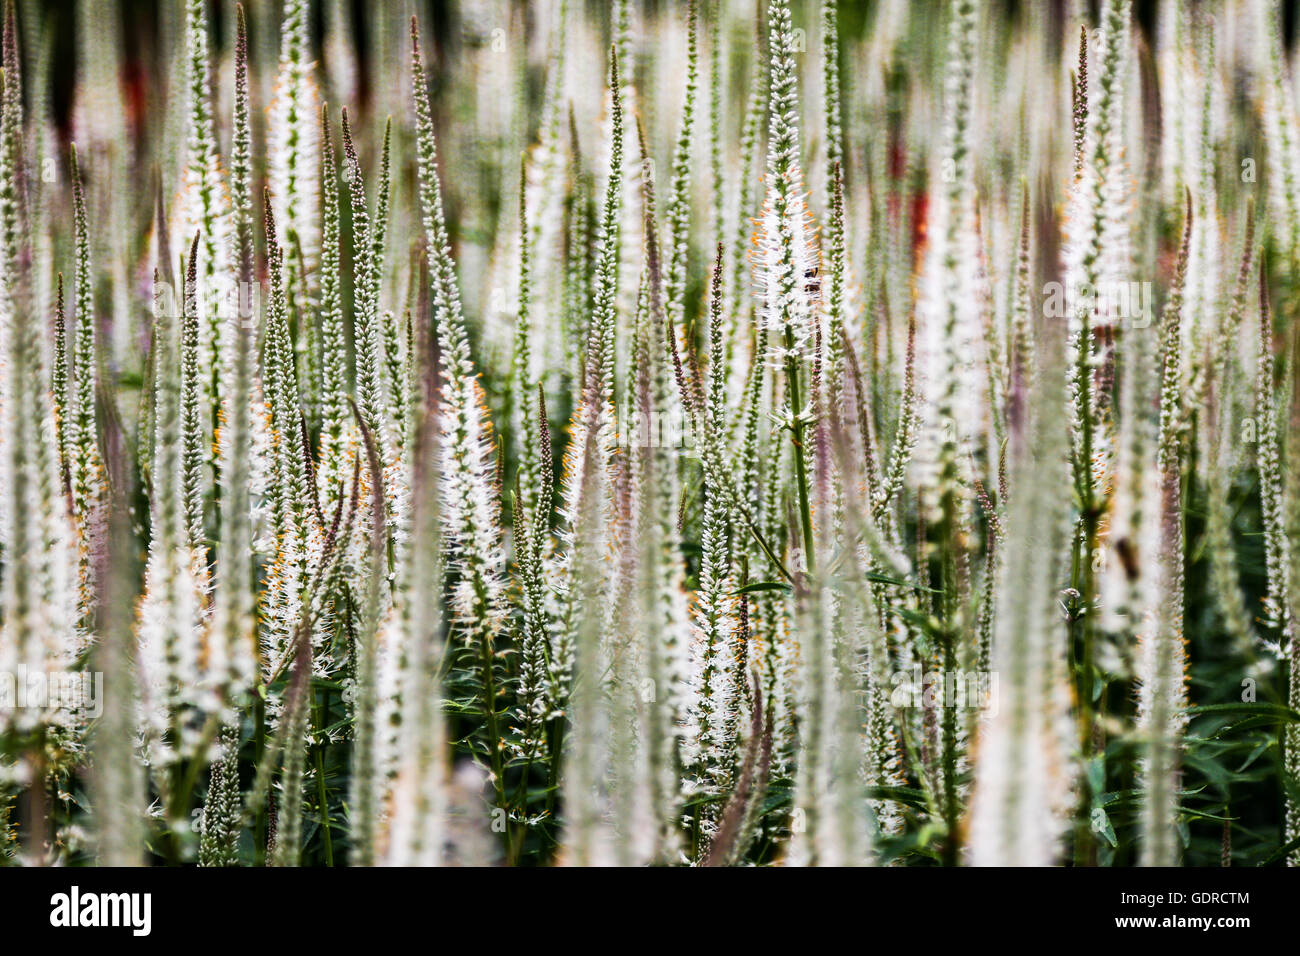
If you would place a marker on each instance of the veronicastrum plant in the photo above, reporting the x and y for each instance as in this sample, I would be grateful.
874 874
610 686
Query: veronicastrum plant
721 432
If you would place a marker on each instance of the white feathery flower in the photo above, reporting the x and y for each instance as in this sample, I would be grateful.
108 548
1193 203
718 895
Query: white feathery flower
293 134
790 294
169 634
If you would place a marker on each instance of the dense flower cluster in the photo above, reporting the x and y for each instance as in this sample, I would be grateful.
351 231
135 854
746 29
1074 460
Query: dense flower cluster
651 439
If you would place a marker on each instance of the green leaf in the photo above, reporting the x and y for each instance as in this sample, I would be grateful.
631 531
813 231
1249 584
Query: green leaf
1276 711
908 796
762 586
1096 770
1281 852
876 578
1255 754
1250 723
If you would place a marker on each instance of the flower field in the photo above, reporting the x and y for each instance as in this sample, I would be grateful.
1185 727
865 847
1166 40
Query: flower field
700 433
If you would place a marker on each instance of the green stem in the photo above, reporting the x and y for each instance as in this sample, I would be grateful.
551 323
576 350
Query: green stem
259 736
797 435
555 733
321 796
494 734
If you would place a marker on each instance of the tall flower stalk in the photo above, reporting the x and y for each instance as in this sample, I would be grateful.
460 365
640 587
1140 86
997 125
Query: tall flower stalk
471 502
